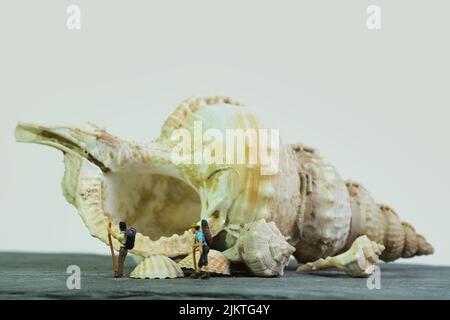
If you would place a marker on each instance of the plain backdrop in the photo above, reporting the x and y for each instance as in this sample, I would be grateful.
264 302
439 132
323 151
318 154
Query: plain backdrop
375 103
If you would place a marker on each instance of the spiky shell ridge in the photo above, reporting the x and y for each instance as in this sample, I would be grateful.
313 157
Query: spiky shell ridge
326 207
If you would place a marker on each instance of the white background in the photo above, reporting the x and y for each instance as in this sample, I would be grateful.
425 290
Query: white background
375 103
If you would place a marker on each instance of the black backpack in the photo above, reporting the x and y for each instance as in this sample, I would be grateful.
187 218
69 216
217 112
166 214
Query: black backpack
130 237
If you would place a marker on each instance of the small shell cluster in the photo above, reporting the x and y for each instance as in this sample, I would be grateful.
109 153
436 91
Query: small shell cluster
358 261
157 267
263 248
217 262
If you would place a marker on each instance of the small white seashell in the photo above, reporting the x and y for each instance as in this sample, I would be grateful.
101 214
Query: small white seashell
157 267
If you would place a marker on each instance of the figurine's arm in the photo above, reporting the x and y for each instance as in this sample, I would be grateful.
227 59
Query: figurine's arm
120 236
197 245
200 246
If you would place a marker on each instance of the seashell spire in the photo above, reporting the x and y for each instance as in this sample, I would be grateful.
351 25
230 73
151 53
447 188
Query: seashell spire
383 225
336 213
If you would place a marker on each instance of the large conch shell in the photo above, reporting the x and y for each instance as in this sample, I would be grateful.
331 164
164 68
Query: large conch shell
157 267
263 248
217 262
358 261
109 179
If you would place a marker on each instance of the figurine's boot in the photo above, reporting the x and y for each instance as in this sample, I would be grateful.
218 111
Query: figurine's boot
122 255
205 275
196 274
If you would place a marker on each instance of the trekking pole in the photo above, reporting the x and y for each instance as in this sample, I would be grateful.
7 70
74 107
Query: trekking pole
112 250
195 263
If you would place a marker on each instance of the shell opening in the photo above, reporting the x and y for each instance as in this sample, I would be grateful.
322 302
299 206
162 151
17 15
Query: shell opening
156 205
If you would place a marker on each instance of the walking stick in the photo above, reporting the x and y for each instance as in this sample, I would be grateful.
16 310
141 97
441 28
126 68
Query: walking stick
112 250
195 263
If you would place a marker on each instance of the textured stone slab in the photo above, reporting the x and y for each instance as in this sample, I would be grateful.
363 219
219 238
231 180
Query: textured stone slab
43 276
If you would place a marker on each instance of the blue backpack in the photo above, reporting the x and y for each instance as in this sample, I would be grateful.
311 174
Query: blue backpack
130 237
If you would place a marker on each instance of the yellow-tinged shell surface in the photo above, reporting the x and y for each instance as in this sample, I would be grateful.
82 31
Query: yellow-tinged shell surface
217 262
157 267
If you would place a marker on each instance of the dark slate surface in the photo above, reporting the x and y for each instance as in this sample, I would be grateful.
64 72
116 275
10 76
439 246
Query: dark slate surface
43 276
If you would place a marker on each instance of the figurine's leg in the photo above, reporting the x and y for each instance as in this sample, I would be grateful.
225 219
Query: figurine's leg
122 255
197 267
358 261
206 274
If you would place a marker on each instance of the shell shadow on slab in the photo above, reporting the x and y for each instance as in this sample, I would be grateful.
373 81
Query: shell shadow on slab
299 195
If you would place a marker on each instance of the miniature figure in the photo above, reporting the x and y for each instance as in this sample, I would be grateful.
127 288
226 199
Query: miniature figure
126 238
202 241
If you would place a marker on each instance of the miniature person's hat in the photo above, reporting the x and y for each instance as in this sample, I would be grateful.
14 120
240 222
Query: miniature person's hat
194 225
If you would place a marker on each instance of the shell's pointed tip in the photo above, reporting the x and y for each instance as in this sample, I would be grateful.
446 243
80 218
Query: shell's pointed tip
427 249
23 132
423 246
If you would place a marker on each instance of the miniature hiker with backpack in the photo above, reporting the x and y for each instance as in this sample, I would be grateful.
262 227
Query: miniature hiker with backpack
126 237
202 242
